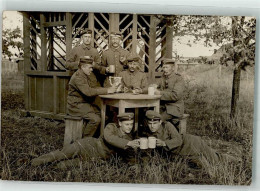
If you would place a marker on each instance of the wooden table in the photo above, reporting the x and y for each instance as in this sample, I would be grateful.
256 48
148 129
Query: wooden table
127 100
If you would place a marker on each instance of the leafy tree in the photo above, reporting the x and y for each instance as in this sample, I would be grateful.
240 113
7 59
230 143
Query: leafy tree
12 39
236 34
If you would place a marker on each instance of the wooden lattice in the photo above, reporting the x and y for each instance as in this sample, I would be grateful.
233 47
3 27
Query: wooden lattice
35 41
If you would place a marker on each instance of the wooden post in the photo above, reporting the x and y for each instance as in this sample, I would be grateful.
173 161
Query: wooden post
169 40
51 60
134 39
151 74
91 26
68 33
113 22
43 65
27 59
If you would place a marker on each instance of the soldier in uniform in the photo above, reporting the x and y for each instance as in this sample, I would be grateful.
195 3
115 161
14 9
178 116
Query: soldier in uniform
171 87
81 100
85 49
189 146
115 55
117 139
133 79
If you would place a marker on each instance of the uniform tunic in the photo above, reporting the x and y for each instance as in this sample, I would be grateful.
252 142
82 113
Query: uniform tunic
172 89
82 102
187 145
80 51
133 80
82 92
112 57
114 141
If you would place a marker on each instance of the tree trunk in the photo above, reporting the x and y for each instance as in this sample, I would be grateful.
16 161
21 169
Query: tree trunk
235 91
237 70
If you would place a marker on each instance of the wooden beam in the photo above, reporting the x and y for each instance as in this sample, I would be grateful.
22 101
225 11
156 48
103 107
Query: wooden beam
43 65
51 48
91 26
68 33
152 43
169 41
134 45
54 24
113 22
27 59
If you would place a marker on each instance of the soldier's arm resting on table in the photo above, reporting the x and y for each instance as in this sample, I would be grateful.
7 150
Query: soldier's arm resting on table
87 90
175 139
111 137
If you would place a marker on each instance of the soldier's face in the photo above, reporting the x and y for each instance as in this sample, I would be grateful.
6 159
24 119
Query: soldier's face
133 66
115 41
87 69
168 69
154 125
86 39
126 126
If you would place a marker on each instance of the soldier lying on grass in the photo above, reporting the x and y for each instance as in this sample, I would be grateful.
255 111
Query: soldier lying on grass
189 146
117 139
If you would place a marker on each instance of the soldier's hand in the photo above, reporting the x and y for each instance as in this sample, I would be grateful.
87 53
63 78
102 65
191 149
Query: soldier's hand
111 90
157 92
122 58
133 144
160 143
107 69
126 89
137 91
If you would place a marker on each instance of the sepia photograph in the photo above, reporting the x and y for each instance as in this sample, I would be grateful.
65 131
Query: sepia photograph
127 98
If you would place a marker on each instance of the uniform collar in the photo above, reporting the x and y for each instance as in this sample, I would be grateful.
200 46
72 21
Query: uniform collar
132 73
84 46
170 76
115 49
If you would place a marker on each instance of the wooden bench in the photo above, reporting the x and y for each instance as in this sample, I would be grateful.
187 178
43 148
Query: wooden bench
183 124
73 129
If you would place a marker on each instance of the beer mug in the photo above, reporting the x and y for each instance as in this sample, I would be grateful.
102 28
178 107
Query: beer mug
151 91
112 69
151 142
143 143
117 82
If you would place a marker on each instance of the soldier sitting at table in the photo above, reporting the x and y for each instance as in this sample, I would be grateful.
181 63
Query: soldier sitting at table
117 139
81 100
171 87
133 79
189 146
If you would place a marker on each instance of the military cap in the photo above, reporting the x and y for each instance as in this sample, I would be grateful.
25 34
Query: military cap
169 61
86 31
117 34
133 58
125 116
85 60
152 115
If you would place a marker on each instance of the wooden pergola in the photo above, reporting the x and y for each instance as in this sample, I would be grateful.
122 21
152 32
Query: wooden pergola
49 38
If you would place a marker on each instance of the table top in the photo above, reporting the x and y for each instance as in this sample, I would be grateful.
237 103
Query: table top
126 96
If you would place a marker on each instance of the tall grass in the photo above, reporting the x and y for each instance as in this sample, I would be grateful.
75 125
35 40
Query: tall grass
207 100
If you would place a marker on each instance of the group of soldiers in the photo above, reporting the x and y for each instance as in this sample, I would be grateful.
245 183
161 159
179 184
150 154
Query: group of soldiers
84 88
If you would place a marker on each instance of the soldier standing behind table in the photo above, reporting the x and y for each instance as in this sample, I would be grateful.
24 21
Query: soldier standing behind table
117 139
115 56
171 87
85 49
81 100
133 79
191 147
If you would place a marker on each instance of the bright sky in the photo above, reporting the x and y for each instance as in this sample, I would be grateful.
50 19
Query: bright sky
14 19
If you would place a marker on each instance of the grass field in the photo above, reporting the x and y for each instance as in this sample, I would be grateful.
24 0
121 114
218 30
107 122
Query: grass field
207 100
